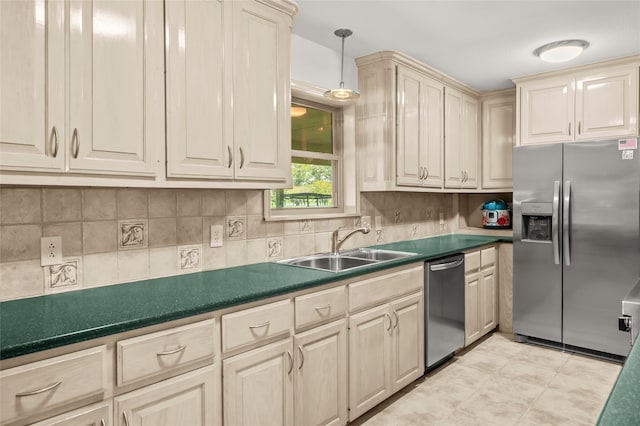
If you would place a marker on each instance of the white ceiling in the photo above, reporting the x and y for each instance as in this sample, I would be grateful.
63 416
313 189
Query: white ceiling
481 43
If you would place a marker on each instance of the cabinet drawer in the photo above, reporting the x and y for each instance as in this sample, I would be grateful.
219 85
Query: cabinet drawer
255 324
385 287
488 257
472 261
161 352
53 383
320 306
98 414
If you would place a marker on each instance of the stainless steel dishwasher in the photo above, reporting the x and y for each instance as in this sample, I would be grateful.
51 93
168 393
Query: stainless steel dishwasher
444 308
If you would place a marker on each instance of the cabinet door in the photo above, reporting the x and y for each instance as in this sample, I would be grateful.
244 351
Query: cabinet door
433 135
471 303
184 400
261 118
470 143
369 359
411 127
488 298
546 111
198 94
453 138
115 86
607 104
32 109
498 131
407 344
93 415
321 375
258 386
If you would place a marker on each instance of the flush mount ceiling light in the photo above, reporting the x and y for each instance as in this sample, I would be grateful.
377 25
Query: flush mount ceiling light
561 51
298 111
341 93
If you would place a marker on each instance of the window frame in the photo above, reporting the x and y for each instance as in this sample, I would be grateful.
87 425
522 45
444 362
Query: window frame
346 196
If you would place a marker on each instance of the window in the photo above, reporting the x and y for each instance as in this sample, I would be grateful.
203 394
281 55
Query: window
323 160
316 159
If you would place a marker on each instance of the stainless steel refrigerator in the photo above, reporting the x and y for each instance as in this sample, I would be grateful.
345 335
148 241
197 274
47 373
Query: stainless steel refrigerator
576 237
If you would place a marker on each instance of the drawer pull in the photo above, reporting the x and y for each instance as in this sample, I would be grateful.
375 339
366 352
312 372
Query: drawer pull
301 357
323 307
41 390
174 351
102 423
126 419
264 324
290 363
395 314
386 315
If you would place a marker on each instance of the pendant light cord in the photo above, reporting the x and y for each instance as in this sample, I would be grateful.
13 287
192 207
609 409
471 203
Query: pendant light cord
342 64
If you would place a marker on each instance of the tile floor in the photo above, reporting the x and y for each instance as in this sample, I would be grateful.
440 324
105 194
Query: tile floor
500 382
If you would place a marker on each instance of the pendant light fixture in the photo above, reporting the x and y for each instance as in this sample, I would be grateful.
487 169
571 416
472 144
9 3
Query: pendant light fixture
341 93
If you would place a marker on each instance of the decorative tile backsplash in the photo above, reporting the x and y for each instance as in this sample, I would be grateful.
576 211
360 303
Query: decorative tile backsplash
115 235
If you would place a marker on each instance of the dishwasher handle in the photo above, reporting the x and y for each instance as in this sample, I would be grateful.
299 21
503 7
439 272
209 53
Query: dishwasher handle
447 265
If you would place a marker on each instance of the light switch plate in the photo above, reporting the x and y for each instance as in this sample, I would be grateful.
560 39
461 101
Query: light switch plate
50 251
216 235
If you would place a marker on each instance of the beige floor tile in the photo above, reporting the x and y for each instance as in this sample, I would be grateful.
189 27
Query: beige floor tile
568 405
482 360
534 417
527 372
513 389
597 369
489 408
546 357
582 386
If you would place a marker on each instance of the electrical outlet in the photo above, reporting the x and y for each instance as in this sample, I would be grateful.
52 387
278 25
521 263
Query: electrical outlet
50 251
216 235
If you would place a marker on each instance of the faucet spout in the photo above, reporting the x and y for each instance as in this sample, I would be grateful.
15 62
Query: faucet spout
336 242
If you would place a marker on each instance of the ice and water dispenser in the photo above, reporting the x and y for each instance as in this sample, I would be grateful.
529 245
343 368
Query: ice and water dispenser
537 221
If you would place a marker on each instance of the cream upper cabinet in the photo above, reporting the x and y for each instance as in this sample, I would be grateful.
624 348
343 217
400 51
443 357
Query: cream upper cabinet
590 103
498 137
98 112
198 93
32 96
420 130
228 90
461 140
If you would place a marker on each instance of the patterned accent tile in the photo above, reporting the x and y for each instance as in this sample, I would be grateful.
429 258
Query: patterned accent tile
379 235
274 248
64 276
306 226
133 234
190 258
236 227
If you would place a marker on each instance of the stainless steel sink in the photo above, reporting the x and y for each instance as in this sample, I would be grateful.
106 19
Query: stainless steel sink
346 260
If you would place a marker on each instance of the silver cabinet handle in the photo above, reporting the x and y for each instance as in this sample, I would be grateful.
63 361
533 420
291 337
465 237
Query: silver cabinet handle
53 142
555 215
241 157
75 143
395 314
323 307
126 419
386 315
301 357
264 324
38 391
230 157
290 363
102 422
426 173
569 128
566 223
579 127
174 351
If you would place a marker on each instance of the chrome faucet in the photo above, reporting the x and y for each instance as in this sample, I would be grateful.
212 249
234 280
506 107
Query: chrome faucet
336 242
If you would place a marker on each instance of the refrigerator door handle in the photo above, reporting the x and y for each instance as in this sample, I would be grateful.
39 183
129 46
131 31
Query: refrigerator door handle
566 223
555 215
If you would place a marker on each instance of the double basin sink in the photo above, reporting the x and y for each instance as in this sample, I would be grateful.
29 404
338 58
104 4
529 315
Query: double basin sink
346 260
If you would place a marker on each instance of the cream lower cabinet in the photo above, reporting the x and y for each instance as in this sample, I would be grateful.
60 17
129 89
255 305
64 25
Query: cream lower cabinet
104 61
588 103
386 351
258 386
94 415
187 400
481 294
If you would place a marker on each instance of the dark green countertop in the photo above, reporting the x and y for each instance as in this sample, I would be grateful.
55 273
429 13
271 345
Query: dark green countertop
45 322
623 405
